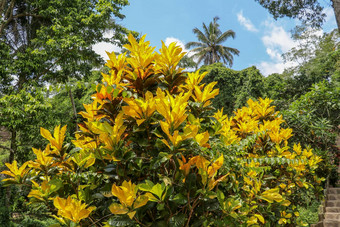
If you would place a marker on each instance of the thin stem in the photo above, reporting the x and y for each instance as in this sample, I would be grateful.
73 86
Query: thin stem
102 218
138 221
192 210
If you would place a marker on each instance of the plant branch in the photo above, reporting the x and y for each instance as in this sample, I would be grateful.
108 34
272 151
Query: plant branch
192 209
9 15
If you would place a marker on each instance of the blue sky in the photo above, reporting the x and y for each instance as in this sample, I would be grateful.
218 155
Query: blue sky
260 39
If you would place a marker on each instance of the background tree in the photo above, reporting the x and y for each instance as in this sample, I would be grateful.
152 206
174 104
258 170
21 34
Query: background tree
187 62
320 62
236 87
309 11
209 48
51 41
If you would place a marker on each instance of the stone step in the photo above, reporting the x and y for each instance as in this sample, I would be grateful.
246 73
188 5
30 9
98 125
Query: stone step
333 203
333 196
332 209
333 191
327 223
332 216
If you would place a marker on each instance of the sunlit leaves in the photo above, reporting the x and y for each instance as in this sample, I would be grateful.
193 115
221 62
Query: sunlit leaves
127 195
57 139
168 59
272 195
173 109
194 79
72 209
84 158
44 191
17 174
140 109
43 161
156 192
204 95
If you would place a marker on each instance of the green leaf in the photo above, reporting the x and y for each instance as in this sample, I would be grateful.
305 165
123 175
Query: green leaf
158 190
55 185
115 93
190 181
109 89
54 225
160 206
177 221
120 221
147 186
179 199
220 196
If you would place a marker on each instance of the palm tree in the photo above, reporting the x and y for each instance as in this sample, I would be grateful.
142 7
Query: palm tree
209 49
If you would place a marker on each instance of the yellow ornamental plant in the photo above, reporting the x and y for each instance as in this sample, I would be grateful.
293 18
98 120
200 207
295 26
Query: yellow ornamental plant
151 152
17 175
71 209
127 195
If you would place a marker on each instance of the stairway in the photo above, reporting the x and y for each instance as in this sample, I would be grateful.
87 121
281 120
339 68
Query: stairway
329 215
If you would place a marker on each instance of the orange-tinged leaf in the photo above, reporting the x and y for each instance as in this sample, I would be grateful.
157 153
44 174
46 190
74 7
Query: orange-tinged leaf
202 138
212 183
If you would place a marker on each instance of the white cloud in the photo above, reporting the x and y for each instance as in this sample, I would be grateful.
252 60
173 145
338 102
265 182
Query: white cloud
277 38
102 47
276 41
268 68
330 17
246 22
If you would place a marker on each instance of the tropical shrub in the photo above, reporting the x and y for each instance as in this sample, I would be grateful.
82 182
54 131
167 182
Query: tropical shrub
314 118
152 153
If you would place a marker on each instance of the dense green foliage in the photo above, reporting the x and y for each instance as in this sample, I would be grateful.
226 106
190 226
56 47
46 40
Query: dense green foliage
48 41
236 87
308 11
52 40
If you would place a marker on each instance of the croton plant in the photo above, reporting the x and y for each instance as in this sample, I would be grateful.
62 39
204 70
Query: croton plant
151 151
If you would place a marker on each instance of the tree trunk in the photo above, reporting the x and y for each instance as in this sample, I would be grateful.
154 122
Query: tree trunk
336 7
73 107
10 160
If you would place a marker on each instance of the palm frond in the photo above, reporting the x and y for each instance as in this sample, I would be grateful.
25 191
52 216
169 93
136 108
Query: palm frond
194 44
208 48
225 36
200 35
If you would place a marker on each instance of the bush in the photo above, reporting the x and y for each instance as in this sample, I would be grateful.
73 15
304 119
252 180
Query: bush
152 153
